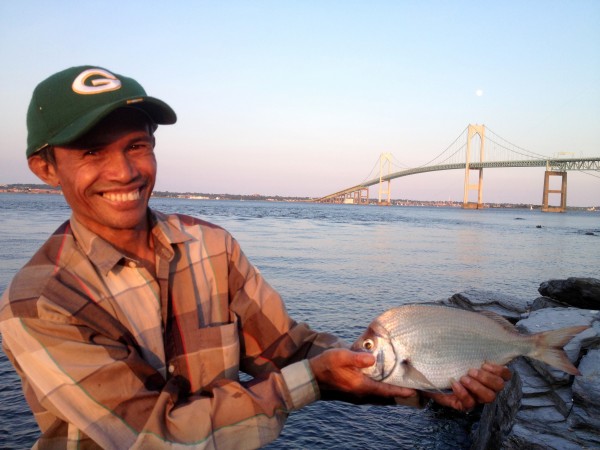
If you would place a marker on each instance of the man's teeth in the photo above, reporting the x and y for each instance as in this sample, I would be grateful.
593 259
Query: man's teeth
122 197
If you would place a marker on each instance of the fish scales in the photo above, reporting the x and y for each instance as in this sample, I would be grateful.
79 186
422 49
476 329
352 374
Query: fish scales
427 347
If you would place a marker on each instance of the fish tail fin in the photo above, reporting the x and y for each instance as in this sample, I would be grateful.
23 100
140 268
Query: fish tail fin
549 348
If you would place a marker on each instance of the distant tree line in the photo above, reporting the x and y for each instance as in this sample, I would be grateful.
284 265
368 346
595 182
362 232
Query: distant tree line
25 187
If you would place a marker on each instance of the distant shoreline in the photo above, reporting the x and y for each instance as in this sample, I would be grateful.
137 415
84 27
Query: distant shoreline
44 189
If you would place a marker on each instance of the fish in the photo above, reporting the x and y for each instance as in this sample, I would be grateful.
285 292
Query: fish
428 347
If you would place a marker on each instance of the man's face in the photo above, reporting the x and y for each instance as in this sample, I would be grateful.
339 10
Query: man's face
107 176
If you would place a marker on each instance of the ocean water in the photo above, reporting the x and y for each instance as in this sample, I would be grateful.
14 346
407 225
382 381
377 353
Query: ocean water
337 267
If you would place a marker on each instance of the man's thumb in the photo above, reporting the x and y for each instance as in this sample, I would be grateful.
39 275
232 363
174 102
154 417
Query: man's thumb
364 359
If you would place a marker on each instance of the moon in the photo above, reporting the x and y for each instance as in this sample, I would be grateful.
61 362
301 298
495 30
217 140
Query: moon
479 92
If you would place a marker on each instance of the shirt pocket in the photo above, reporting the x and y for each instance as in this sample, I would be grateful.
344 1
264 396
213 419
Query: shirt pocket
214 354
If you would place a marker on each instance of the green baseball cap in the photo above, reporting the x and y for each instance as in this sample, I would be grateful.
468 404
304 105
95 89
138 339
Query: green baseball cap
69 103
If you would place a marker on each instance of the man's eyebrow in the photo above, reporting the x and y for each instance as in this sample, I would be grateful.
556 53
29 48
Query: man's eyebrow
141 139
145 137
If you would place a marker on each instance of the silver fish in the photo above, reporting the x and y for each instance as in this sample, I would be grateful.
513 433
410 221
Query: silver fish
428 347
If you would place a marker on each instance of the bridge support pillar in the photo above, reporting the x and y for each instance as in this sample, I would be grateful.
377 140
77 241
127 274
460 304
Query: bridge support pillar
360 197
562 191
472 131
385 163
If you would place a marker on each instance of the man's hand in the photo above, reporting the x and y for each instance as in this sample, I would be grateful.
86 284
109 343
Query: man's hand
340 369
479 386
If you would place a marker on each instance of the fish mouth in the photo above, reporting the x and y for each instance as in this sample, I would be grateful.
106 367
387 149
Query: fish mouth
383 335
380 362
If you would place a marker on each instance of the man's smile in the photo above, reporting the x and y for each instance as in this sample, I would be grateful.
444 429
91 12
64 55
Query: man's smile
122 196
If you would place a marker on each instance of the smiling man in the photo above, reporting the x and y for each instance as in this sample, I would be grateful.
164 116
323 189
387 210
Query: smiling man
129 327
107 177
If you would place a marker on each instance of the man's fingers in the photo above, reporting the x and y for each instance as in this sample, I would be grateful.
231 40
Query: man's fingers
478 386
363 359
484 392
492 381
387 390
502 371
464 398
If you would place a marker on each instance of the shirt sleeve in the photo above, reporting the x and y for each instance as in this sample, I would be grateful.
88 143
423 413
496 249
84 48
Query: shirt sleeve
271 339
300 383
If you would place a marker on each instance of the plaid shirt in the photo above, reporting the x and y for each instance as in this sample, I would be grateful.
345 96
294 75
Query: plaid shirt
114 356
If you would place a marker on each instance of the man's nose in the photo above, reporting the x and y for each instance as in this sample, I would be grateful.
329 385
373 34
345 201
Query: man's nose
120 166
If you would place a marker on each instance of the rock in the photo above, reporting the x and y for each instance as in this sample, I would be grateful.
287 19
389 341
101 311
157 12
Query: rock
586 393
580 292
526 438
497 418
508 306
547 302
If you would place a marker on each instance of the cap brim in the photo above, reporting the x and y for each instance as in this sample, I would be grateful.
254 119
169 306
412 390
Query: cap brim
157 110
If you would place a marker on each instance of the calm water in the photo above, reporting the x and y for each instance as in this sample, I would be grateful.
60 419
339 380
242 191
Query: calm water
337 267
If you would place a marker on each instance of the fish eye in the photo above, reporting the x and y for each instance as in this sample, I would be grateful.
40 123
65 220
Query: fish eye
368 344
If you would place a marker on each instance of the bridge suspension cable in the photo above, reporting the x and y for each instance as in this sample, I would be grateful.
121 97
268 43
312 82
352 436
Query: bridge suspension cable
396 163
590 174
371 173
448 149
375 170
510 147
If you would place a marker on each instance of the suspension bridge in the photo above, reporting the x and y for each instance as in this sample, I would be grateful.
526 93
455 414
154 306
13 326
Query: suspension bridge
475 149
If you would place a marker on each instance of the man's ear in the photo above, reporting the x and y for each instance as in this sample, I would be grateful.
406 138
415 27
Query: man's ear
44 170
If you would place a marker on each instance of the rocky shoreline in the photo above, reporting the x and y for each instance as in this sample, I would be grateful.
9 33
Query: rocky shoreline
544 408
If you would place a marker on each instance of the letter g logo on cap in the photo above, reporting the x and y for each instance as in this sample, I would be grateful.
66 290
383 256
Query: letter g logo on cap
107 83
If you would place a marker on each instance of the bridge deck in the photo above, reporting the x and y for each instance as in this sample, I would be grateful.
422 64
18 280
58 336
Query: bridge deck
559 164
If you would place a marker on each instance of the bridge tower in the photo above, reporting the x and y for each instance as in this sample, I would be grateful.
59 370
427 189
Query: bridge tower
472 132
385 163
562 191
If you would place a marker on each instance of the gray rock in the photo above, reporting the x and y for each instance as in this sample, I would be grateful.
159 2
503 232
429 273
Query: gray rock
586 393
543 417
591 438
547 302
508 306
533 384
497 418
580 292
523 437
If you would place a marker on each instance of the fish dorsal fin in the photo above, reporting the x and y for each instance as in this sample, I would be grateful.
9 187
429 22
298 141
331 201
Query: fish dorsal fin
410 372
499 320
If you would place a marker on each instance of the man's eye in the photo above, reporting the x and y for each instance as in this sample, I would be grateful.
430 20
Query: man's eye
143 147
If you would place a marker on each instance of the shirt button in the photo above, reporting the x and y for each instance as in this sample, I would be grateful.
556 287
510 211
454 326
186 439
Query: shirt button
171 368
132 264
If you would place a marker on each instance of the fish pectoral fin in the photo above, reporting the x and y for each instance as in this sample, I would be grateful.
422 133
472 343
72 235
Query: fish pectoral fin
412 373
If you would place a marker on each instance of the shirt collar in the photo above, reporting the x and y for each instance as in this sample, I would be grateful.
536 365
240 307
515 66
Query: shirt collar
105 256
167 231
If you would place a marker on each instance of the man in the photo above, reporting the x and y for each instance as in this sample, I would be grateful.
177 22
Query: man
129 327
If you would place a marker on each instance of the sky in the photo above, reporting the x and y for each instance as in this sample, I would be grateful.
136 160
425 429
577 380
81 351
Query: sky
300 98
